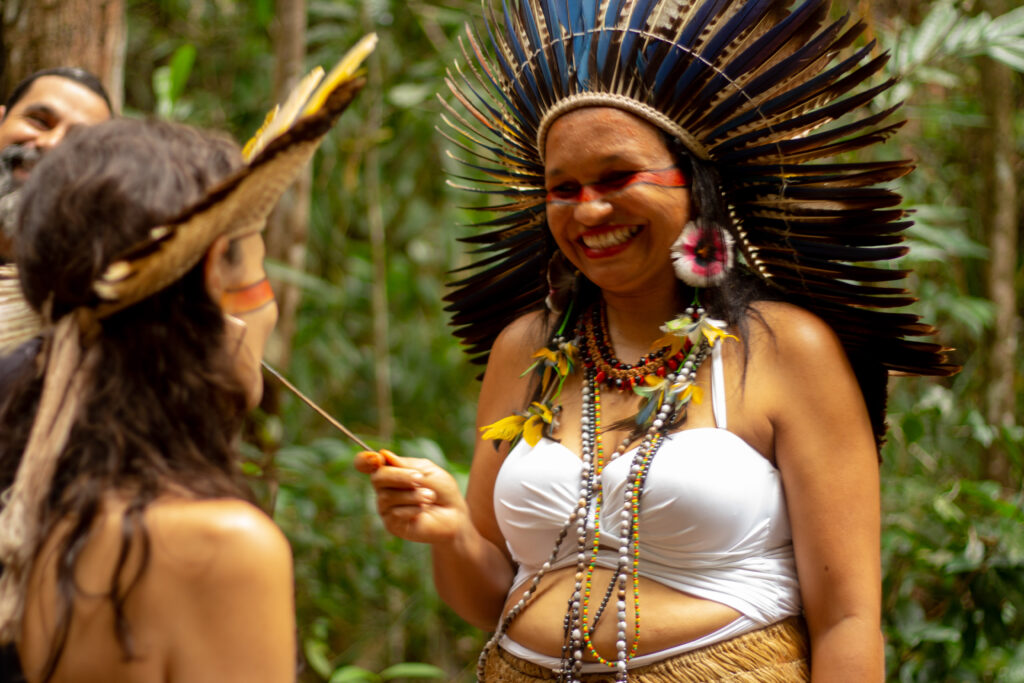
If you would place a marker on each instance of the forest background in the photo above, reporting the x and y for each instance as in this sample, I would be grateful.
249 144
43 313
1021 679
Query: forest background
362 247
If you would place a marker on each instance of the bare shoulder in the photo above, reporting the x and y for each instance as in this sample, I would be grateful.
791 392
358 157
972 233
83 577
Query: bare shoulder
789 329
504 388
520 338
796 358
215 540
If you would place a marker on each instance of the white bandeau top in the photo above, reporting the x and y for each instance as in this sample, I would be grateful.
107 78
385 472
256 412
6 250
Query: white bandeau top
713 521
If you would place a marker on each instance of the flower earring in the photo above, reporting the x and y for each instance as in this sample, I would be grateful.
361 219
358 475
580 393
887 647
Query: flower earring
703 255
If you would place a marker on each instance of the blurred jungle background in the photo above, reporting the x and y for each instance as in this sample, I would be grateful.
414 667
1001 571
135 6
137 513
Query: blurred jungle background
362 247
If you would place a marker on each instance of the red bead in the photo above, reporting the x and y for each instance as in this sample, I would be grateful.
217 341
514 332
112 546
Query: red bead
661 371
600 376
672 363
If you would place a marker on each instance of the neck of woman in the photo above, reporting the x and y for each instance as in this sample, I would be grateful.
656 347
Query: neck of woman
634 321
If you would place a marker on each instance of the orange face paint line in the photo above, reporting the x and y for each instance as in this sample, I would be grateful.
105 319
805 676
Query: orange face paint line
247 298
670 177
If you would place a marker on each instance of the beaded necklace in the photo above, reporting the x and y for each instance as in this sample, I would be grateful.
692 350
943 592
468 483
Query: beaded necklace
609 370
667 394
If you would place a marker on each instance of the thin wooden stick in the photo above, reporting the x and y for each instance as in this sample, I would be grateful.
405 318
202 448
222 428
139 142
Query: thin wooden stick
323 413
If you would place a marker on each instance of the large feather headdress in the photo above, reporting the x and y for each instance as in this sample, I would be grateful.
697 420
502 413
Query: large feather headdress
238 205
759 91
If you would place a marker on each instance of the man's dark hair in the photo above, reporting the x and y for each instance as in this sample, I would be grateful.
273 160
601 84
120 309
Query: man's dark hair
71 73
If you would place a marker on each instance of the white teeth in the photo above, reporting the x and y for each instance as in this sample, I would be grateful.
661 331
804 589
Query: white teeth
610 238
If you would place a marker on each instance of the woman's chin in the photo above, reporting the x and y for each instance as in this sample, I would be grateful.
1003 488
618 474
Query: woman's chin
254 391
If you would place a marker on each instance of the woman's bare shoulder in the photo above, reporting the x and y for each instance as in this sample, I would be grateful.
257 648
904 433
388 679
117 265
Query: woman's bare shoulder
788 330
522 336
504 388
213 540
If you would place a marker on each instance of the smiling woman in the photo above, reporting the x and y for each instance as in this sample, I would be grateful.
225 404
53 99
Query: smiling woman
696 444
628 200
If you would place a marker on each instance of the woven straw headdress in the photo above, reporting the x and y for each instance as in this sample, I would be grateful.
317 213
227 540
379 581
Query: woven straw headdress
236 206
761 92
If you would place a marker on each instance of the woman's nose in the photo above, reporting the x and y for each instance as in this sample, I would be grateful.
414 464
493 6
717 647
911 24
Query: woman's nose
593 210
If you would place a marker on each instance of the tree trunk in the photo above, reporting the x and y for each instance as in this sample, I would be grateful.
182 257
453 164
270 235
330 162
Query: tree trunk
1002 218
40 34
288 225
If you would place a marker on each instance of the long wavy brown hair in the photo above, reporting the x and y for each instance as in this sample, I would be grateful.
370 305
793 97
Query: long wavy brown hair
164 407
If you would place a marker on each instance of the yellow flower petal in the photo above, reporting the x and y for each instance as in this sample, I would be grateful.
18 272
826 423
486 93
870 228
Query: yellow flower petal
505 429
542 411
545 353
533 429
713 333
694 393
546 380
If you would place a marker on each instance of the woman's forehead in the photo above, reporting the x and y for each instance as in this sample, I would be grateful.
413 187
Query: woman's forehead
601 135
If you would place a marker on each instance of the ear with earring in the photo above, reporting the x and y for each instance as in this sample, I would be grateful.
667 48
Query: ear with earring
562 279
703 254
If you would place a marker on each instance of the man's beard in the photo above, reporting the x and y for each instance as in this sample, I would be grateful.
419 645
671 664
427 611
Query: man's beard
12 157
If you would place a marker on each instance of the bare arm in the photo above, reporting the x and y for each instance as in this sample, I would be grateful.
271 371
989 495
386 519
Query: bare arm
826 453
419 501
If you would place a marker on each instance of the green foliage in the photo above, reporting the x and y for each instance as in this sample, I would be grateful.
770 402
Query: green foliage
169 83
953 543
365 598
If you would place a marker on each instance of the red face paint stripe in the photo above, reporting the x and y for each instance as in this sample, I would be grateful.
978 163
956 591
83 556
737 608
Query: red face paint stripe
248 298
670 177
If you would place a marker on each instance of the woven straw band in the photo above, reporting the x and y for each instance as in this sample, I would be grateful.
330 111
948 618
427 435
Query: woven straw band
626 104
775 654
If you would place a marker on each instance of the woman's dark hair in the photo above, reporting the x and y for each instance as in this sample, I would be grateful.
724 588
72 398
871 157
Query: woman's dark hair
164 405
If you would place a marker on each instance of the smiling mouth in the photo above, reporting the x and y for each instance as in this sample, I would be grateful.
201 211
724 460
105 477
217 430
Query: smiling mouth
606 239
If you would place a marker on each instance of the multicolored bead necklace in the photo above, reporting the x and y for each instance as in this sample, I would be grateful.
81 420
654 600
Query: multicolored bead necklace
592 330
579 626
665 380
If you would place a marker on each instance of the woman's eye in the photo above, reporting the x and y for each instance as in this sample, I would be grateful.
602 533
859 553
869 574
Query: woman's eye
565 191
615 181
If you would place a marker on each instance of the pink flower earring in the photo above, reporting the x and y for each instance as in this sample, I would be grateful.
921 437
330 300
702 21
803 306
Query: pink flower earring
702 256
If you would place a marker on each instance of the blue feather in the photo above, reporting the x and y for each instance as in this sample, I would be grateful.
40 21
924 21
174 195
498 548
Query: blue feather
751 13
605 37
579 24
533 32
695 68
554 23
802 92
515 43
640 13
523 100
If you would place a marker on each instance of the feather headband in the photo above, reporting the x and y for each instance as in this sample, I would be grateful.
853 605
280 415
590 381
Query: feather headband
236 206
760 91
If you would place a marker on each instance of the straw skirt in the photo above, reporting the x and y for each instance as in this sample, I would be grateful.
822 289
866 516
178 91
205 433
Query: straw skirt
779 653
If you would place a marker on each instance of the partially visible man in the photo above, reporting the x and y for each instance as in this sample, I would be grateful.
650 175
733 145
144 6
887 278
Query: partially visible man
35 118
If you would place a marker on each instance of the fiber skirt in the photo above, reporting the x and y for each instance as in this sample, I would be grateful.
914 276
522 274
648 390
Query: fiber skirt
779 653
